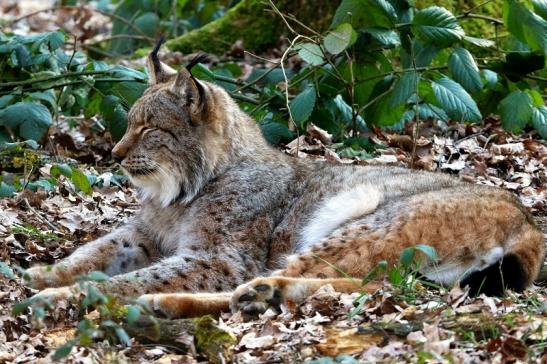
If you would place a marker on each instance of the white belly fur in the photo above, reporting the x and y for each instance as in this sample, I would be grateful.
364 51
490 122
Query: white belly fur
337 210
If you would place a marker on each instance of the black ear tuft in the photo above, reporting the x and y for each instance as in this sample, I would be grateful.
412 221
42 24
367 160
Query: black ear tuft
199 58
158 45
154 54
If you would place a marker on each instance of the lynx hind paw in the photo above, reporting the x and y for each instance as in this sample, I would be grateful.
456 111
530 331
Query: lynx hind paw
255 297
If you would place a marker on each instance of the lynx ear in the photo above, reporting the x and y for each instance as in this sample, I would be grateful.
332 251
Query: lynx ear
158 71
190 88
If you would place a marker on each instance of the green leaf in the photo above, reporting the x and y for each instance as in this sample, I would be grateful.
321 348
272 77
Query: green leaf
365 13
480 42
340 38
115 116
148 23
516 111
384 37
453 98
464 70
311 53
97 276
133 314
437 26
28 120
404 88
6 271
407 256
20 307
80 181
64 350
429 251
47 96
6 100
540 7
6 190
302 105
525 25
539 121
276 132
60 169
129 91
122 336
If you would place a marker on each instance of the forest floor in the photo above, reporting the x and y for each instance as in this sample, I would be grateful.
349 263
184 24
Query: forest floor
396 324
413 324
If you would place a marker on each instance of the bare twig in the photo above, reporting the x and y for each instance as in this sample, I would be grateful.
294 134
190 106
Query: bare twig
480 16
118 36
41 218
416 126
291 120
69 7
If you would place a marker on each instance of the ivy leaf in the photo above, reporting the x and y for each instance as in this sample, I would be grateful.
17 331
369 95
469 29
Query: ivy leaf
31 120
516 110
311 53
539 120
464 70
525 25
437 26
453 98
302 105
340 38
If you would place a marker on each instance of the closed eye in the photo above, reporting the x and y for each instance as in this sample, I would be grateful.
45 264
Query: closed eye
146 130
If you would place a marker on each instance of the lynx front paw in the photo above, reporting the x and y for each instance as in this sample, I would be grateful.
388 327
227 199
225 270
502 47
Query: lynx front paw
256 297
154 303
57 295
40 277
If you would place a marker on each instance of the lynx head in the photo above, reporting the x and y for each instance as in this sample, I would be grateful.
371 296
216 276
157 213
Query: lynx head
175 140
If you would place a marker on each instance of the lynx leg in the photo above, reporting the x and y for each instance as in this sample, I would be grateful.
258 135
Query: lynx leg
121 251
262 293
173 305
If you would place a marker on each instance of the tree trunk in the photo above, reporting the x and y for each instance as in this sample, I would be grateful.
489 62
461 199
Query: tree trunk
255 24
199 335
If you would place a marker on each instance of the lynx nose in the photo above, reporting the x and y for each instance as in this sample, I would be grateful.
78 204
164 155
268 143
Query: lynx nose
118 158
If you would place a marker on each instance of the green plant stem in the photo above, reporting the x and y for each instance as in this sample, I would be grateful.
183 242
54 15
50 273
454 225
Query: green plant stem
53 78
235 82
245 98
77 82
437 68
256 80
480 16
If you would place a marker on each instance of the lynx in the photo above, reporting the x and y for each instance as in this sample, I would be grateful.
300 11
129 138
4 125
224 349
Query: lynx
229 222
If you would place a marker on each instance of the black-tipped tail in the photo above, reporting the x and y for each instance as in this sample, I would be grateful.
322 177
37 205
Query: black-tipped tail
508 273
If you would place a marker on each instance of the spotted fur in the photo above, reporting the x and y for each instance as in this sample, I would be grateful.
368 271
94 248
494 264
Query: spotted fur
221 207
